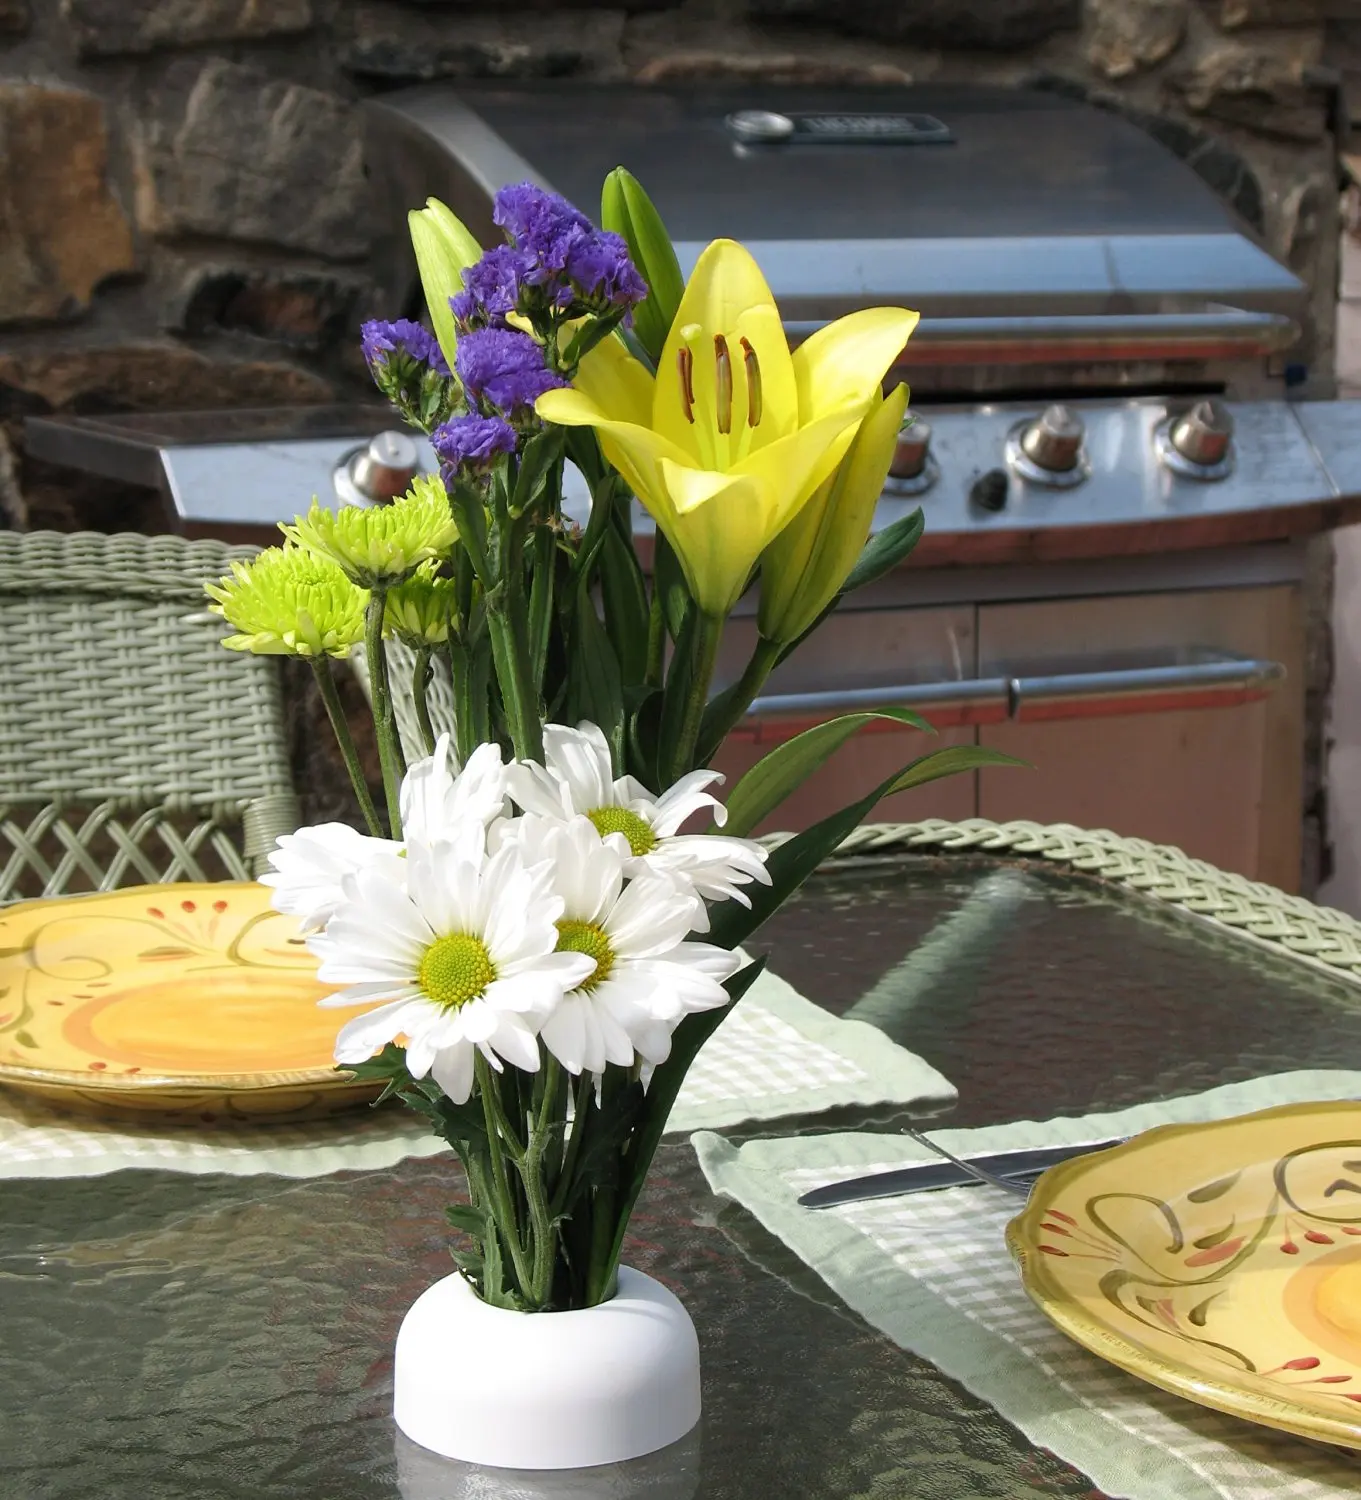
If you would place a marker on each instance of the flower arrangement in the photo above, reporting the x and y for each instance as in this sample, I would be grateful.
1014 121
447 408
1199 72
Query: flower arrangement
537 928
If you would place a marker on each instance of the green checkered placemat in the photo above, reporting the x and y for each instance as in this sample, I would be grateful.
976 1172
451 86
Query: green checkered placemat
777 1054
932 1271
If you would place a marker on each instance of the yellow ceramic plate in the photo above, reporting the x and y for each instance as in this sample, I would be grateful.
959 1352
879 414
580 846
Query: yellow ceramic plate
1220 1261
197 1001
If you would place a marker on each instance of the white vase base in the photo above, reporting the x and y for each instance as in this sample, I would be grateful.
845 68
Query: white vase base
546 1391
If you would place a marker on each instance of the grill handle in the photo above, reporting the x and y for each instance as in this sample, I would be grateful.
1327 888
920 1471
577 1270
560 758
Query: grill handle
1211 333
1103 693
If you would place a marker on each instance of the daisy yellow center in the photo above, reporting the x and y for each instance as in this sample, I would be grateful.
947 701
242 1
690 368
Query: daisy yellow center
587 938
609 820
455 969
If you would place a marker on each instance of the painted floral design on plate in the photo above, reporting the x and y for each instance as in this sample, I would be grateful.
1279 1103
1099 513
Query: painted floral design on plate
162 989
1221 1261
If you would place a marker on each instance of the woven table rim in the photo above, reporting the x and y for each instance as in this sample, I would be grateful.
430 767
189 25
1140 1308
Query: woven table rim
1319 936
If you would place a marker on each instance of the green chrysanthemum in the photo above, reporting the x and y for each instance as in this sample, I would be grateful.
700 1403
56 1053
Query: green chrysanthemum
419 611
379 546
287 602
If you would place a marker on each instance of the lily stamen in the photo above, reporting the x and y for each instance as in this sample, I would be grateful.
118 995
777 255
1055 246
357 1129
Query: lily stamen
753 368
685 364
722 383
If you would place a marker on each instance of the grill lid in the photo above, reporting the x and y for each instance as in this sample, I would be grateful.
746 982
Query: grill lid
962 202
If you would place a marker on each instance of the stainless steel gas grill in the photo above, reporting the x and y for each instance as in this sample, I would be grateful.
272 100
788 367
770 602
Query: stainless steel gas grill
1110 445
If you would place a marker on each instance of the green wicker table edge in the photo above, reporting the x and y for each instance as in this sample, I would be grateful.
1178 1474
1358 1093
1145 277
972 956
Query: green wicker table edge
1319 936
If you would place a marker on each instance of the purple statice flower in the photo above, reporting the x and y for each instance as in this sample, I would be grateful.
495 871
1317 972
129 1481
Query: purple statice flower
381 340
505 368
600 269
543 225
491 288
472 441
559 251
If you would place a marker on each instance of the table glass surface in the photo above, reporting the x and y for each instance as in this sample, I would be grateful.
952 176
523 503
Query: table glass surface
166 1335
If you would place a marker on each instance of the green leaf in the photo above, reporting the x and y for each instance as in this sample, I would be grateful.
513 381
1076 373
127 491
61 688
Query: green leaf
584 452
470 1220
644 731
677 606
789 765
885 550
543 555
662 1090
607 1129
680 675
540 454
493 1272
793 862
626 209
624 595
949 762
597 690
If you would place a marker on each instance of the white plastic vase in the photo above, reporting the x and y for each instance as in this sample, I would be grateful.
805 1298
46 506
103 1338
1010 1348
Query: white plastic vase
561 1390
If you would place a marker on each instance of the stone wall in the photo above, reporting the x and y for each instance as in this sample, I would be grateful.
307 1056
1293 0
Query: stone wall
182 199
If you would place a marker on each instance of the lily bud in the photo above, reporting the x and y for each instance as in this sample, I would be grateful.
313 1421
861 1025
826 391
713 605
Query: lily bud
627 210
444 248
803 569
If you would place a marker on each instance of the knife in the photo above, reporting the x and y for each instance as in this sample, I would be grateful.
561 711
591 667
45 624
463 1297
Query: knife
924 1177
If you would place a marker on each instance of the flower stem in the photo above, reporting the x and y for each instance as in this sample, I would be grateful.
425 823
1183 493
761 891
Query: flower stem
511 658
384 719
503 1204
420 683
581 1105
326 685
531 1173
726 709
703 656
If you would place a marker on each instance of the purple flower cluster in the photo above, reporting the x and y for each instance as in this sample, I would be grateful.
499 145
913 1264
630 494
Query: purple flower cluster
472 441
381 340
491 288
505 369
556 257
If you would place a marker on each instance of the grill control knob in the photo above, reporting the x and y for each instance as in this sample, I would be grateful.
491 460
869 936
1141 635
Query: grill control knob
911 452
1053 442
1198 444
1203 435
384 468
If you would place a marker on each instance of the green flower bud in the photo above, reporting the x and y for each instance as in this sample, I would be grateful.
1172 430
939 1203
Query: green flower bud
444 248
422 611
627 210
803 569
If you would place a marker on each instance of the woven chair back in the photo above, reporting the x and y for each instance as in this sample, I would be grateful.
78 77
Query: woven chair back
133 748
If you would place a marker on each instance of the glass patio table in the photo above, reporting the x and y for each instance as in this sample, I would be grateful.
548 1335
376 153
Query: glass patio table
165 1335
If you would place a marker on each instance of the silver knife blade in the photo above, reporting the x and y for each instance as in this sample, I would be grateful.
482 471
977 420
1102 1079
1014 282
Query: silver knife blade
929 1176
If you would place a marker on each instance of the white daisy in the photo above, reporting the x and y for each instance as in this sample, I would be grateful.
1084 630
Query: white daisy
438 796
577 779
645 976
311 865
463 953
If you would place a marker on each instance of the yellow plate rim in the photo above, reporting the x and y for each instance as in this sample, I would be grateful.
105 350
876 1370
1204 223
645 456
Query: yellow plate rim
120 1083
1037 1277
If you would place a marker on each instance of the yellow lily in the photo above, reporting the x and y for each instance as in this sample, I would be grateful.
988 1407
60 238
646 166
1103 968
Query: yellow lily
805 566
734 434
